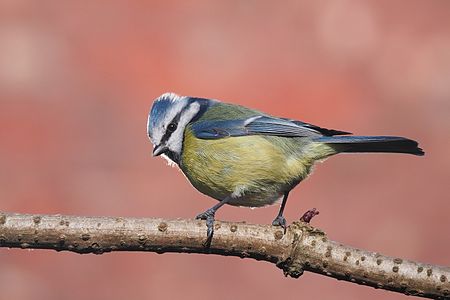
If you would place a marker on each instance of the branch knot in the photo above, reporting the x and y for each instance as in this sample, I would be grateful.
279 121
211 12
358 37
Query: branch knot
294 264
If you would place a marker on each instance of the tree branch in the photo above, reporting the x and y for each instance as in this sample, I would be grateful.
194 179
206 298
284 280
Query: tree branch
302 248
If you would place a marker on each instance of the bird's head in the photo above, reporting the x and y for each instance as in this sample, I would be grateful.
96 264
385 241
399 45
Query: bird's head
167 120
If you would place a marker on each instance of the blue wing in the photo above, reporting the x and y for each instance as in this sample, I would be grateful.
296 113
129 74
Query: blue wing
259 125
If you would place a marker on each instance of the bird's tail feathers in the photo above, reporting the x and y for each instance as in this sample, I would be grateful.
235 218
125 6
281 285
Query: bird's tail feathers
387 144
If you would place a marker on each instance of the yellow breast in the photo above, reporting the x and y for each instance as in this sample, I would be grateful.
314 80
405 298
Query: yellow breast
254 169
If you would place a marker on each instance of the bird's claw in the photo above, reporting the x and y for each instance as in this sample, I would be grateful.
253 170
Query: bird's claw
205 215
209 217
210 230
280 221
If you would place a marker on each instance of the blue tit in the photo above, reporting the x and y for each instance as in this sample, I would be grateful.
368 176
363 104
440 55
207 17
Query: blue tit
244 157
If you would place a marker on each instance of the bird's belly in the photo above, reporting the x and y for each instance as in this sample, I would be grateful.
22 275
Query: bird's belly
256 200
250 169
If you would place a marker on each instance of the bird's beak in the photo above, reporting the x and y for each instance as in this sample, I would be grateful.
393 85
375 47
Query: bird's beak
160 149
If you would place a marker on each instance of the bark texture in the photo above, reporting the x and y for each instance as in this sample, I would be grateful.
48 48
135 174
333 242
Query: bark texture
302 248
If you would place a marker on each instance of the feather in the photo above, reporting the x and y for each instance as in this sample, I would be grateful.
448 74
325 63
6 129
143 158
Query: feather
259 125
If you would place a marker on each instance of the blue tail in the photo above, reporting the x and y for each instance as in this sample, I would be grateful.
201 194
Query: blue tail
387 144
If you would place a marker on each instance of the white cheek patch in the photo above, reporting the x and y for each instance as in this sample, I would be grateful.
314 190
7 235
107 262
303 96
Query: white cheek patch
175 142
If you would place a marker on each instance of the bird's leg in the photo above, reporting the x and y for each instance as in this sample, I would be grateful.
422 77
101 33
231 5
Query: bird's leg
208 215
280 220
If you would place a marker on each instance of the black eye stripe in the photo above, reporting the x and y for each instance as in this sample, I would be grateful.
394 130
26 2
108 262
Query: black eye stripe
169 131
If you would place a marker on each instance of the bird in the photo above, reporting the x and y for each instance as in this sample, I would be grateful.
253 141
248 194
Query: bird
244 157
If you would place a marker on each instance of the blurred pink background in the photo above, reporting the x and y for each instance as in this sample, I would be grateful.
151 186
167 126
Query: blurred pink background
76 83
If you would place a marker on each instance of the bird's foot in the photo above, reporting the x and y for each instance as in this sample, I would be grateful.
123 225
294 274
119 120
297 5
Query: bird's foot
308 215
280 221
209 217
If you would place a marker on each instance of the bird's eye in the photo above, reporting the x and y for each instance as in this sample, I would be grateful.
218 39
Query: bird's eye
172 127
